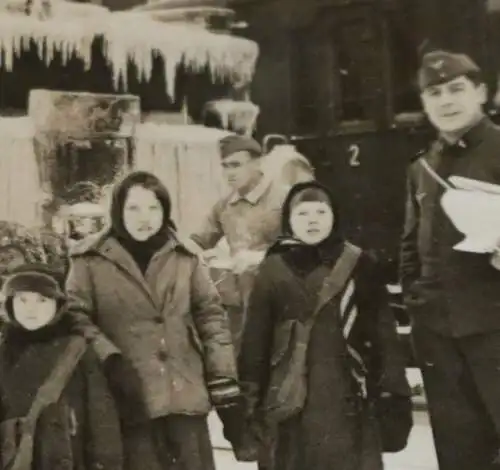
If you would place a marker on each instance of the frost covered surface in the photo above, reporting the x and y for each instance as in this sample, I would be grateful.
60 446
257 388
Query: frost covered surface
128 36
240 115
187 160
19 174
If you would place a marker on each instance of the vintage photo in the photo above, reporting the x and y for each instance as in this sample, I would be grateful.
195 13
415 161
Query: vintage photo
249 234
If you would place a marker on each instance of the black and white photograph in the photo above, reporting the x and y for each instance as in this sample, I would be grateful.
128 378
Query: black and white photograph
249 234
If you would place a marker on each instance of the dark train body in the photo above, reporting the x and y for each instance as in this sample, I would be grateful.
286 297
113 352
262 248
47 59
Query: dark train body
337 77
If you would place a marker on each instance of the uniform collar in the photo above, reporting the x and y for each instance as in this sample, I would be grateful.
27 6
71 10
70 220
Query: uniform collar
254 195
471 138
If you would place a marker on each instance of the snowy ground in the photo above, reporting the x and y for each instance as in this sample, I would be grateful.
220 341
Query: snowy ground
419 455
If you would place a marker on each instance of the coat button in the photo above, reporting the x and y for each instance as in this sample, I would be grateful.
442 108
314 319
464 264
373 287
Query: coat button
162 355
159 319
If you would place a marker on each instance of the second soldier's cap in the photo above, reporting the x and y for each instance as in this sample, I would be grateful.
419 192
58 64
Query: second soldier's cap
442 66
238 143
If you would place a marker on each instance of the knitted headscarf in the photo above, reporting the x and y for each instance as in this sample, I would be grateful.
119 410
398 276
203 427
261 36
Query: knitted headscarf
301 256
141 251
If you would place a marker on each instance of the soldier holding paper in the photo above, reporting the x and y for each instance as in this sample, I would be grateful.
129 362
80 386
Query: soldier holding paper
452 295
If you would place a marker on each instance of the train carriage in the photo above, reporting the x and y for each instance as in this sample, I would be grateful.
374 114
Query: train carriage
337 77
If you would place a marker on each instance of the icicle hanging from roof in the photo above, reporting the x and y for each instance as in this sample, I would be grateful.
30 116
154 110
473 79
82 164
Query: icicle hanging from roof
129 36
240 116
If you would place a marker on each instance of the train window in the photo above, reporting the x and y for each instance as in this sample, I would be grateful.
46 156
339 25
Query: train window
306 107
355 68
337 70
404 62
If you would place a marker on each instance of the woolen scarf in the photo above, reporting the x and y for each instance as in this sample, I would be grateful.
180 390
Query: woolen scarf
301 257
19 341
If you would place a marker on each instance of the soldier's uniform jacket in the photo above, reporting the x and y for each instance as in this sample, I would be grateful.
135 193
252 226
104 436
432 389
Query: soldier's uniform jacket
453 293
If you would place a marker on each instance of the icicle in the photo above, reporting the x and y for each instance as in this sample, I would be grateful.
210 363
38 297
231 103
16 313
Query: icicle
39 47
129 36
84 50
17 45
48 52
25 41
9 55
145 59
171 64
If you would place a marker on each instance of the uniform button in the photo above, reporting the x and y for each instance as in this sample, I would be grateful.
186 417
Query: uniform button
162 341
159 319
162 355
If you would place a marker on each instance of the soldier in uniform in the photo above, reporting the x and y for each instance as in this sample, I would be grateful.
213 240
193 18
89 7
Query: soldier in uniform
248 218
453 297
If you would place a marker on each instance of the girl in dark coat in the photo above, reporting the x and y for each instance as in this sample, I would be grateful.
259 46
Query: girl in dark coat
352 348
155 306
77 428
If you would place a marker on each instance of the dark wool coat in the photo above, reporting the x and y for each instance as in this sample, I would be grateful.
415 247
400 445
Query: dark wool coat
451 292
332 431
79 432
168 324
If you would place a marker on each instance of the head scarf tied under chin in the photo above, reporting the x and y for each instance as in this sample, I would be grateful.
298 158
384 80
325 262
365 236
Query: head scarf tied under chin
301 256
141 251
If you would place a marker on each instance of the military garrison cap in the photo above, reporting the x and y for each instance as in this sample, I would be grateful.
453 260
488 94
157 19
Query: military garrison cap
441 66
238 143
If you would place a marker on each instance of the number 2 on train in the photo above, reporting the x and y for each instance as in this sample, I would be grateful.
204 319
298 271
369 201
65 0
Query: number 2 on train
354 155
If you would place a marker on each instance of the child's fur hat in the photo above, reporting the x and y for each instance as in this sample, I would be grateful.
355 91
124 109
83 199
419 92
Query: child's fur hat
34 278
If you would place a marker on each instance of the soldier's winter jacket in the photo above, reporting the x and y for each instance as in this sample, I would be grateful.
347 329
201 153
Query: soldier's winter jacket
452 292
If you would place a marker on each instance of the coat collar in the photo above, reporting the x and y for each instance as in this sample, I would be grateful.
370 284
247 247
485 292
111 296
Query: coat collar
253 196
105 245
96 242
473 137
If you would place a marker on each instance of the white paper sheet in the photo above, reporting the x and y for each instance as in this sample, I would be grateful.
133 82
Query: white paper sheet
475 213
474 185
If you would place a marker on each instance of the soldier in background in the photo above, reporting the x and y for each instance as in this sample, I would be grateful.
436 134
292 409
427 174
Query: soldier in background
453 297
249 220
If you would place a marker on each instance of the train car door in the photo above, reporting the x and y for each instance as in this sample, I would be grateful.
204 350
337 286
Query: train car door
357 118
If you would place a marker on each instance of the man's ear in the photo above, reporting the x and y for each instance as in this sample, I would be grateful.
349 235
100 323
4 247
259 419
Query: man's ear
483 90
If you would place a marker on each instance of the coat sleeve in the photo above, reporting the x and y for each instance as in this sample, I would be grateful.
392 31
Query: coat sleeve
409 267
211 231
257 342
385 354
81 307
212 324
102 436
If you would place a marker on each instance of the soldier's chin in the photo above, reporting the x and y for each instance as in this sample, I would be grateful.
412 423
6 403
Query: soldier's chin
451 124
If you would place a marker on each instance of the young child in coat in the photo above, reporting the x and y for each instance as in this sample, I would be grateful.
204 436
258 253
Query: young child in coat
56 411
320 359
